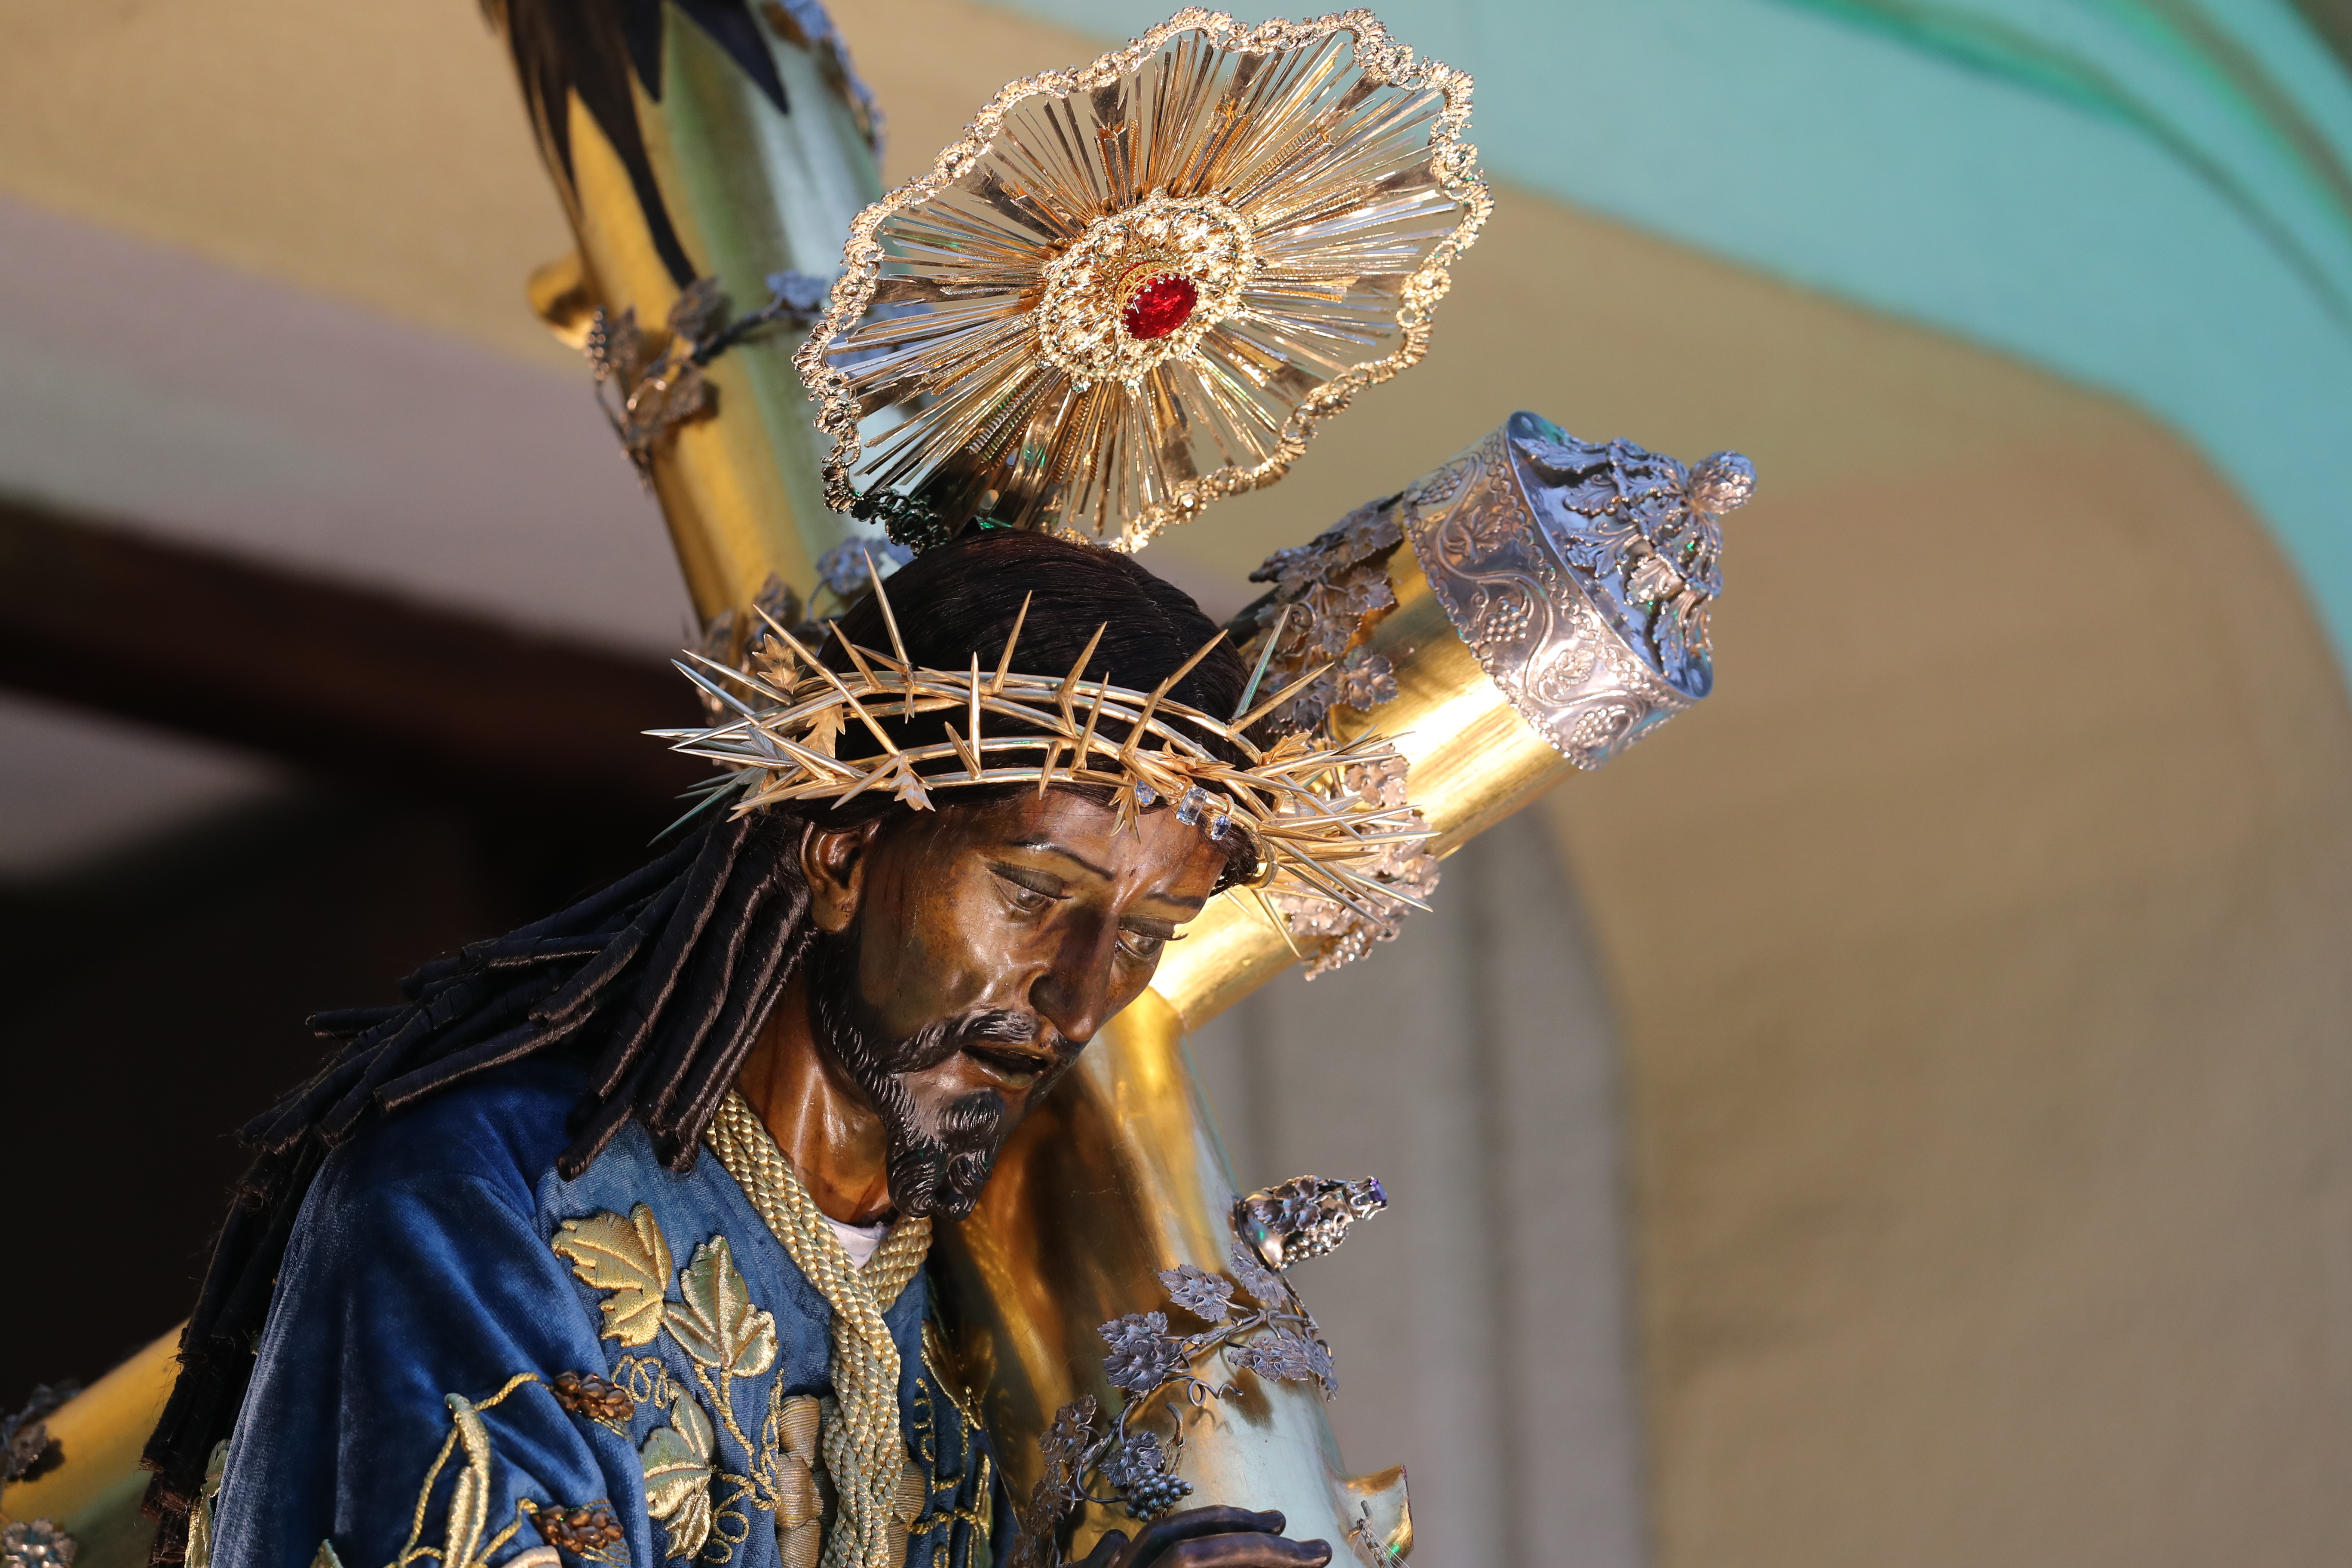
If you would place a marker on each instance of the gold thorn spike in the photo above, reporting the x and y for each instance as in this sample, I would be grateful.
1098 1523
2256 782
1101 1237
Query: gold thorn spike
964 753
1087 742
1070 682
1264 657
889 619
856 706
975 711
1283 696
1046 771
1151 704
1287 801
1005 663
1274 918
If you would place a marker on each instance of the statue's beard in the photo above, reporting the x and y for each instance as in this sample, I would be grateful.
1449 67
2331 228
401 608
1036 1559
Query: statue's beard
939 1151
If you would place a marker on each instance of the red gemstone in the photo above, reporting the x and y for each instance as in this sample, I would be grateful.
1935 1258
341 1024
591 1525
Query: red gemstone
1160 306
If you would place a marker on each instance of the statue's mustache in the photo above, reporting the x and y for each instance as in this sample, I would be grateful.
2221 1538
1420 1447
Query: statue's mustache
945 1037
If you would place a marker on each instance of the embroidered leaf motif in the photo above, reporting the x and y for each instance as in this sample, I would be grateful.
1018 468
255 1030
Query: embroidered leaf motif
629 1259
676 1460
717 1322
469 1504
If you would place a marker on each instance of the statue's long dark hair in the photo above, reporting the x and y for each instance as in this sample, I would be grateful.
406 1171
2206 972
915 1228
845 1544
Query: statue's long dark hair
659 982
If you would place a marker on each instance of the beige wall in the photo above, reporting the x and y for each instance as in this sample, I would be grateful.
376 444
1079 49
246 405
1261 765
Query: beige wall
1978 951
1985 982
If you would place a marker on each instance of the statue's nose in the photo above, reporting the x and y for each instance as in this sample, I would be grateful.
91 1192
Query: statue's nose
1073 991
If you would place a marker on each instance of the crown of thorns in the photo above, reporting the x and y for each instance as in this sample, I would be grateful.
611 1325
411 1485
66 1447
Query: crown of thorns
1289 802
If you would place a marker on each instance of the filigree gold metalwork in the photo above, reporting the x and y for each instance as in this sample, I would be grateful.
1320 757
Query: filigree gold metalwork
1081 319
1311 180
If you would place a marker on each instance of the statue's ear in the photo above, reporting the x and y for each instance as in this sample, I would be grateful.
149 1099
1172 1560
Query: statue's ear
834 860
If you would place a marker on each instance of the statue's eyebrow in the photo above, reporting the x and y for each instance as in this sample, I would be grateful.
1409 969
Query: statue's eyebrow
1047 847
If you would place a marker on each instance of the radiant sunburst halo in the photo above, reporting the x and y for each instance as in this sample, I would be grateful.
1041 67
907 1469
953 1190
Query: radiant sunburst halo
1137 287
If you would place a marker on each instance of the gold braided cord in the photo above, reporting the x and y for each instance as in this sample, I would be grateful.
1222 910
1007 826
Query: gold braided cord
863 1445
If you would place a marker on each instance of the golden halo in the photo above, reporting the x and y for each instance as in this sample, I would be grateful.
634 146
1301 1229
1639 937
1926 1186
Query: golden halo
1308 179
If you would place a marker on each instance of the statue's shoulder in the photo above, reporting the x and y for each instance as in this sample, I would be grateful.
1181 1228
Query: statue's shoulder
502 1129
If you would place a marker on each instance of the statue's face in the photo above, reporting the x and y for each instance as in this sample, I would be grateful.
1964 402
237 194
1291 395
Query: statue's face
970 953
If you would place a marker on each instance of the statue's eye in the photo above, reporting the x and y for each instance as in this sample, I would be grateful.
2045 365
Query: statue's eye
1141 948
1031 892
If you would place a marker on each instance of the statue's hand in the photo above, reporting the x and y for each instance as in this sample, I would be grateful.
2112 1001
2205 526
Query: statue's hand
1209 1537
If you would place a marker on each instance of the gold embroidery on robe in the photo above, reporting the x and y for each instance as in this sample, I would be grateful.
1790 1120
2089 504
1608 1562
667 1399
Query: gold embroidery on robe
801 1483
629 1260
936 1507
725 1335
200 1517
466 1539
678 1461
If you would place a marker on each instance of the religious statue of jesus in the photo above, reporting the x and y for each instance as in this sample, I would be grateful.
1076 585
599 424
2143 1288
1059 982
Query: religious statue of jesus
609 1242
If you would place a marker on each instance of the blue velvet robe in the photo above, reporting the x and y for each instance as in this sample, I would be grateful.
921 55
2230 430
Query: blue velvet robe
410 1402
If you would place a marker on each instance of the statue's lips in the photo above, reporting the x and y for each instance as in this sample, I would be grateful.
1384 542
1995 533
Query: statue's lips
1014 1067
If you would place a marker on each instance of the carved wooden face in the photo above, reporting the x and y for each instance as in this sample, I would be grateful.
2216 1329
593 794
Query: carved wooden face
970 952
